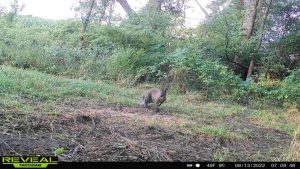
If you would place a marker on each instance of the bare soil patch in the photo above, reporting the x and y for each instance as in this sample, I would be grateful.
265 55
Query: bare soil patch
90 131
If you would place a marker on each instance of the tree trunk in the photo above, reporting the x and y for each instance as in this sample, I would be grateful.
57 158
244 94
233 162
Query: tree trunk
126 6
85 21
250 15
247 27
102 14
251 67
260 36
202 9
263 23
111 6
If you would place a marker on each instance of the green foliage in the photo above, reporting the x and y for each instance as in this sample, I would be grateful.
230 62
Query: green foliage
59 151
124 62
291 43
289 90
149 19
141 49
132 51
282 93
220 36
206 62
200 73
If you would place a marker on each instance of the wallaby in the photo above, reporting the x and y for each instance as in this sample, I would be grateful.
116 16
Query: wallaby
156 96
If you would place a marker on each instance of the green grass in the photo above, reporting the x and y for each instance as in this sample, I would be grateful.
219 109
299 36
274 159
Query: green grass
30 91
218 131
273 119
35 85
222 154
8 102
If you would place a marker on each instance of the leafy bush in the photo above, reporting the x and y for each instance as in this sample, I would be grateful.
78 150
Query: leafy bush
203 74
290 89
141 49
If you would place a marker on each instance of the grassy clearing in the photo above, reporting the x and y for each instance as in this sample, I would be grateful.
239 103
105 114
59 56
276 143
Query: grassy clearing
274 119
38 86
33 92
294 153
194 107
222 154
218 131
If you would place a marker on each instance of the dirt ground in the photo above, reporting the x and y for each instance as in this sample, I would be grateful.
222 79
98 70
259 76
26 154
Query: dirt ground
90 131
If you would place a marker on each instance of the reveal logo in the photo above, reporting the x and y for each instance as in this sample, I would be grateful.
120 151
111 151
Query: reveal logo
29 162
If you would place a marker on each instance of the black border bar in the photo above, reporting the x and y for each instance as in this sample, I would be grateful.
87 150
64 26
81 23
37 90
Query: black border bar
172 165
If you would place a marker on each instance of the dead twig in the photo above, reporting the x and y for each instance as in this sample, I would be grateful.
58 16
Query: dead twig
52 126
10 147
77 143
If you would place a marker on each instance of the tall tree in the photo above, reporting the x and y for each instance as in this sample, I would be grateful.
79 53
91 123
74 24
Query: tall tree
248 27
110 12
15 9
264 14
85 11
249 19
102 11
126 6
202 9
86 14
175 7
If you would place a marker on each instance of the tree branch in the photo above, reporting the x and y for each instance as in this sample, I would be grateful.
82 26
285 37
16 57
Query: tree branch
202 9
